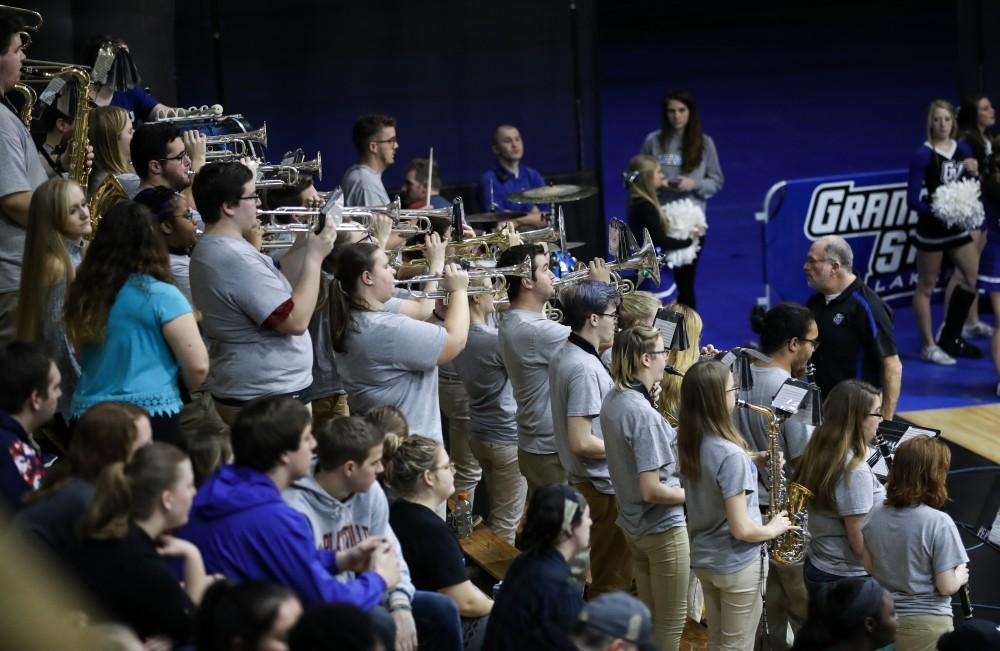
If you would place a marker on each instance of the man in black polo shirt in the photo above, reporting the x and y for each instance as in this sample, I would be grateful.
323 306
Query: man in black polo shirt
853 321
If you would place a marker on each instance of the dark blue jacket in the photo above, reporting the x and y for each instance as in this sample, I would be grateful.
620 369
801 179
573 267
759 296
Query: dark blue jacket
21 467
246 531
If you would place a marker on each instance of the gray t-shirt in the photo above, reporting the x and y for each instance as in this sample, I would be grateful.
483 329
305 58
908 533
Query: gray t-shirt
578 383
909 546
236 288
857 493
793 434
528 341
20 171
326 382
707 176
726 471
638 439
491 397
362 186
391 359
180 267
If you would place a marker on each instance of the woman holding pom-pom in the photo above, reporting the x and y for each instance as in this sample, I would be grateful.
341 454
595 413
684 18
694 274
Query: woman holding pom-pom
942 165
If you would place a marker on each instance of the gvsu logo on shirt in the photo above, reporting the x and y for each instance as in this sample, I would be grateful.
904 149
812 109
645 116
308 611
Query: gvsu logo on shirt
347 537
877 222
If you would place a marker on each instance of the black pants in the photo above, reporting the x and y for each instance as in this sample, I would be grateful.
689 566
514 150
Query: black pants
684 277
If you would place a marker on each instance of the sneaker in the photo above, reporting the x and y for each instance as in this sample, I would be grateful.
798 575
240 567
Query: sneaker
959 347
935 355
976 330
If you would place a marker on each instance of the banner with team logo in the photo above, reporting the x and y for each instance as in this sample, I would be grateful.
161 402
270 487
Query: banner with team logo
868 210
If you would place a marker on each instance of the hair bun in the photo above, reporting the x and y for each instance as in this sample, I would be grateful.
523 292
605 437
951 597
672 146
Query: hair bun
758 319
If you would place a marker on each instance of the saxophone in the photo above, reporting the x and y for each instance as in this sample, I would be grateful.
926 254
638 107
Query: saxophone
107 194
789 547
30 97
78 169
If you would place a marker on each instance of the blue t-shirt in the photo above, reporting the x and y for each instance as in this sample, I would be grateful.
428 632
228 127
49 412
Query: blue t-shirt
134 363
497 183
136 101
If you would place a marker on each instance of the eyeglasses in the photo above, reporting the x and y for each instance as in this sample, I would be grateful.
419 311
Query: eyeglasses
189 214
179 157
811 260
450 466
877 415
612 315
658 352
392 140
814 342
733 390
254 197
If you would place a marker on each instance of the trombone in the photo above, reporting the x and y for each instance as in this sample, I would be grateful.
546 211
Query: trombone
645 261
312 222
496 275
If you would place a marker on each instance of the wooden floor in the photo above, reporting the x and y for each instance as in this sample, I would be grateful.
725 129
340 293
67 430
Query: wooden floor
974 428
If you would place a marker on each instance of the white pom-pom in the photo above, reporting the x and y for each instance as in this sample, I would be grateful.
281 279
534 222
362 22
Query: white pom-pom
958 204
682 216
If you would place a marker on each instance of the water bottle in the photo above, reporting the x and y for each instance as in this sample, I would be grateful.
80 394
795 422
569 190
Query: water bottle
461 516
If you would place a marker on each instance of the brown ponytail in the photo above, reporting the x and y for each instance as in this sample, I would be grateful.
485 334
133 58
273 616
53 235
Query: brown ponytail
351 262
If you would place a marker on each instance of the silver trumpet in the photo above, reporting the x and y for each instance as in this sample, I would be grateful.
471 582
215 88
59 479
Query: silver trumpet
312 222
241 142
314 166
645 260
496 275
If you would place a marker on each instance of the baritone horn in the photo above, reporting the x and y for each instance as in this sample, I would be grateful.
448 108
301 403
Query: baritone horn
645 261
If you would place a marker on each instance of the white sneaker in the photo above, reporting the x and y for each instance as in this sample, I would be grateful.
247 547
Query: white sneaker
935 355
977 329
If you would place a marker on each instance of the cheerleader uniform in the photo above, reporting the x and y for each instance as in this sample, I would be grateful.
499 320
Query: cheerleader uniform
932 168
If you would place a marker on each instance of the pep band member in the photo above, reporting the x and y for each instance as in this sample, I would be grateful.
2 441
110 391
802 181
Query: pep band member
845 490
642 459
387 358
724 522
913 549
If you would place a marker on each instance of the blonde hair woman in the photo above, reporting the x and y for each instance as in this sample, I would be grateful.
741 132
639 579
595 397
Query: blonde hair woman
642 461
682 360
724 522
111 134
58 220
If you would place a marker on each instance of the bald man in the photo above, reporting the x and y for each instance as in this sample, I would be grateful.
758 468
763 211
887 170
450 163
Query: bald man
854 323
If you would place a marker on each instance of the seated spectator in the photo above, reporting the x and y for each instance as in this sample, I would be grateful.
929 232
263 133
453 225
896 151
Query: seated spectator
420 472
110 432
248 616
346 506
539 600
136 333
614 621
333 626
58 221
207 451
122 558
111 136
247 532
854 614
29 393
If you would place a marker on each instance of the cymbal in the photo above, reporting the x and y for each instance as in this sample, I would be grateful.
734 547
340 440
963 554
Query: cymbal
491 217
553 194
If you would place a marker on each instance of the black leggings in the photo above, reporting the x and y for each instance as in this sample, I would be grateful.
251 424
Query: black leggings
684 277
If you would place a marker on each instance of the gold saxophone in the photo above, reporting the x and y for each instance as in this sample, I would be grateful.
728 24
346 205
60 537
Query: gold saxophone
107 194
789 547
30 97
78 169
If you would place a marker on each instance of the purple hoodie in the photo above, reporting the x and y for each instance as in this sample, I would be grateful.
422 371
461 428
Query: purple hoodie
246 531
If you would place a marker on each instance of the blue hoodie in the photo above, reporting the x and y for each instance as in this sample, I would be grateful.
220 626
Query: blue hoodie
246 531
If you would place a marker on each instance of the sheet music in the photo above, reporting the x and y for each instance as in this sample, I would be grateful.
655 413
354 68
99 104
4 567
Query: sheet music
912 431
994 535
789 397
877 463
667 329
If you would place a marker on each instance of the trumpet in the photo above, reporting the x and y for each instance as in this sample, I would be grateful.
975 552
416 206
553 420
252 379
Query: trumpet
314 166
645 260
521 269
311 223
240 141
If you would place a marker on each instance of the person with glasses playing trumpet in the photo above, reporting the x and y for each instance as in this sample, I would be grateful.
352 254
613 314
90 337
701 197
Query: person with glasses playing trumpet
642 460
374 138
788 338
578 383
254 316
162 155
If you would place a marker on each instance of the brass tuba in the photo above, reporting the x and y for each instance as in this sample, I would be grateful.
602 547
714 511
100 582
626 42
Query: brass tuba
789 547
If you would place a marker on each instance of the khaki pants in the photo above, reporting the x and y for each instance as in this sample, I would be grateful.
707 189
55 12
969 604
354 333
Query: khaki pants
734 605
540 470
8 317
454 403
921 632
610 558
228 413
328 408
506 486
787 603
200 415
661 564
